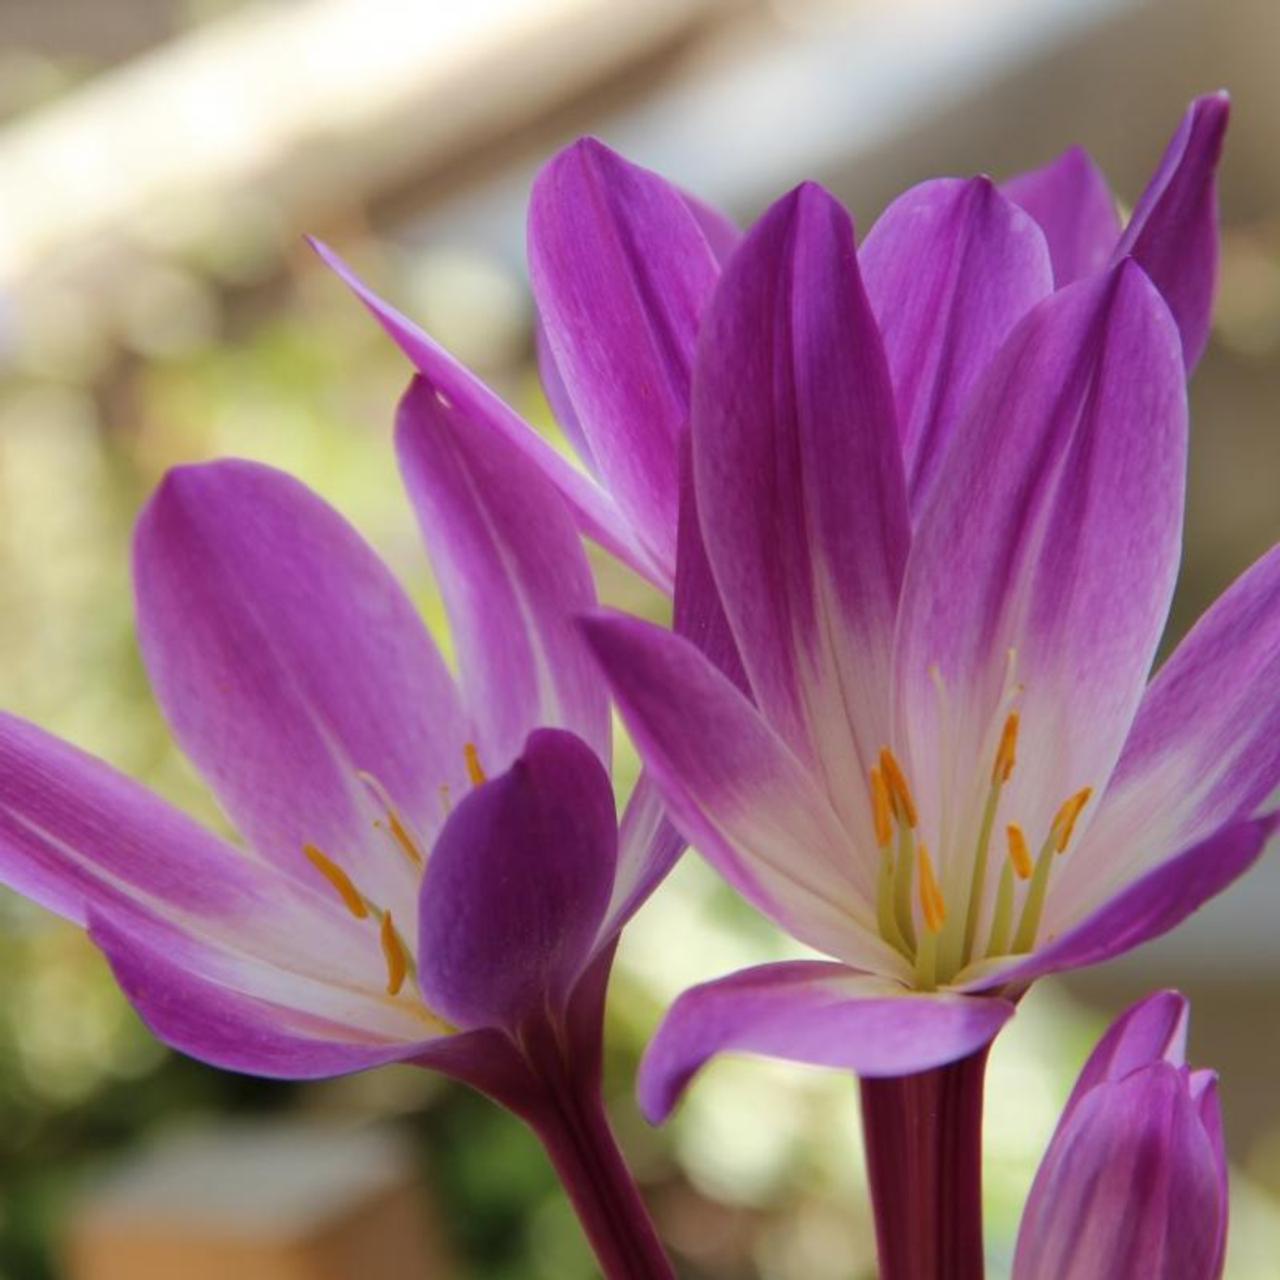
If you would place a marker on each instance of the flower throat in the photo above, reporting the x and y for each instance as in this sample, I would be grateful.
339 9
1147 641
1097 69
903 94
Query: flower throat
912 913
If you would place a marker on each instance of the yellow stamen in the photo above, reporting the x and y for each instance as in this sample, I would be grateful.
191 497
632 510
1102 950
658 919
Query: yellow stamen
935 915
394 953
932 904
475 770
1019 852
1002 917
886 919
1064 822
882 809
446 801
903 874
404 839
334 874
1007 752
903 803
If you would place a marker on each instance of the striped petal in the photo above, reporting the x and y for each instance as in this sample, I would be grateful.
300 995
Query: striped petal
821 1014
293 669
950 268
1073 204
621 271
1044 564
799 485
513 574
594 511
738 794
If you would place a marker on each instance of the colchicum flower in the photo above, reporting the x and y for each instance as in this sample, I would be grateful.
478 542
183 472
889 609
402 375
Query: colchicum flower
1134 1182
432 870
623 263
944 523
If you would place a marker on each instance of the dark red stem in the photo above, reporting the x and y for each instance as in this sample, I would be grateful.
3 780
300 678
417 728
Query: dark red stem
569 1118
924 1161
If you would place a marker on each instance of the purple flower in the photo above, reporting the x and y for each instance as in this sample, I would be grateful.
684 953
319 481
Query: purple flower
950 774
432 864
1134 1182
623 265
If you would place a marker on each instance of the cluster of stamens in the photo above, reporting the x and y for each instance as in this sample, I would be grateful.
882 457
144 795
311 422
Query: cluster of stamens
396 954
940 943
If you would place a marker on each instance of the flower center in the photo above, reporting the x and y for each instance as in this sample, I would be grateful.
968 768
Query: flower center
911 912
397 957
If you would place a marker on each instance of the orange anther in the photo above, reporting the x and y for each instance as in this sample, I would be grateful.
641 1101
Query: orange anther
393 951
903 804
1007 752
932 903
339 879
882 809
475 770
404 839
1019 852
1064 822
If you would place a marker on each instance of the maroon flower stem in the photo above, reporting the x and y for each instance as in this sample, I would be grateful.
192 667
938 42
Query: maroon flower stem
924 1161
569 1118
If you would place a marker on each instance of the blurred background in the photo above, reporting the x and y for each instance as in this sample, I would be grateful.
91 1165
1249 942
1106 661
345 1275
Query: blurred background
160 161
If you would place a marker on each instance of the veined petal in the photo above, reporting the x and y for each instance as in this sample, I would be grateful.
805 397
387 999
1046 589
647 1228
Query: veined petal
594 511
558 398
698 612
1173 232
1073 204
799 486
1047 553
1153 1030
1144 909
1205 746
739 795
517 886
74 834
648 843
1204 1093
291 667
723 235
817 1013
1128 1188
240 1013
621 271
513 574
648 847
180 911
950 267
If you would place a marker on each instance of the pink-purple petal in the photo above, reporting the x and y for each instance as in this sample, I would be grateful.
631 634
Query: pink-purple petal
816 1013
513 574
234 1028
799 483
1045 560
621 271
950 267
1070 199
75 834
1153 1030
517 886
1205 746
89 843
558 398
594 511
1147 907
648 847
1173 232
738 794
291 666
1128 1188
